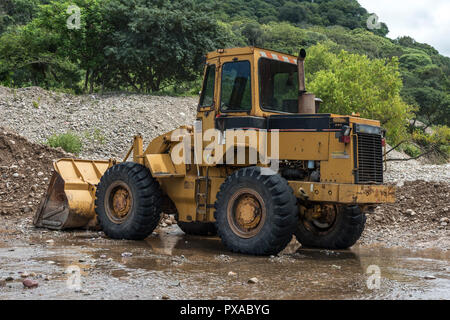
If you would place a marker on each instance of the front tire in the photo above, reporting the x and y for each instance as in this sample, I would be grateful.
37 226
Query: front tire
255 213
340 233
128 202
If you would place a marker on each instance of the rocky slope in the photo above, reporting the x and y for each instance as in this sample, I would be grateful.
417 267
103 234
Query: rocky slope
106 123
25 170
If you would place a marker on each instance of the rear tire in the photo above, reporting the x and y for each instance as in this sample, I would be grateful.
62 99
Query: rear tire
346 230
128 202
198 228
255 214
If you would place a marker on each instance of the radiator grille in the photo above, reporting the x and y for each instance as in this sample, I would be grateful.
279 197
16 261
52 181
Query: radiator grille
370 159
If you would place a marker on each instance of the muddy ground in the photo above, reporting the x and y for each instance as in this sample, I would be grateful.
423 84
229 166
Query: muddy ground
171 265
408 242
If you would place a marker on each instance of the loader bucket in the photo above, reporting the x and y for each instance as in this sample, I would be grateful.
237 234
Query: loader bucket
69 202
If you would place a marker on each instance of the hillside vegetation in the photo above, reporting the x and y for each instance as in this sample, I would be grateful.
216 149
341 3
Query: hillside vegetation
156 46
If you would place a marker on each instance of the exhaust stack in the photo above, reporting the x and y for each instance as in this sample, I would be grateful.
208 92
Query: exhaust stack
301 72
306 101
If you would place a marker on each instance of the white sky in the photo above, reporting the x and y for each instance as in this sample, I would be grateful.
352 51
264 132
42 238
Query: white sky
427 21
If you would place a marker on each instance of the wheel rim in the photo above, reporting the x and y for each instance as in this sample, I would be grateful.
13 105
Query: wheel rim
323 220
246 213
118 202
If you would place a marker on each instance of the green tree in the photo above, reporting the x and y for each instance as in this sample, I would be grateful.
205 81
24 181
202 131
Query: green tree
426 85
287 38
156 43
354 83
84 45
17 12
28 56
253 33
53 54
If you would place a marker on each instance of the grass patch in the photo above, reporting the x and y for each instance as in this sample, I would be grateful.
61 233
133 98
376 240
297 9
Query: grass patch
36 103
96 136
69 142
411 150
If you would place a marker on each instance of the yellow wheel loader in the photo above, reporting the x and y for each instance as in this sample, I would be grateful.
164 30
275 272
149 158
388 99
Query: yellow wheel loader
258 165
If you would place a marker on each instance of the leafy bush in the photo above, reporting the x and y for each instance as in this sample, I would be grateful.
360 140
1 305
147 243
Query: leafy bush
68 141
441 139
354 83
411 150
438 142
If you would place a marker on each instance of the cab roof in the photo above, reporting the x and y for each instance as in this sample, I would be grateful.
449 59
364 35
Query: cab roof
266 53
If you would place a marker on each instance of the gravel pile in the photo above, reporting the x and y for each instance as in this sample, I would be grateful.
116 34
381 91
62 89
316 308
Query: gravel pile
106 123
25 170
399 172
420 215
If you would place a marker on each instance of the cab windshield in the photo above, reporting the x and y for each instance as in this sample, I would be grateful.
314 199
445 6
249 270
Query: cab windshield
278 84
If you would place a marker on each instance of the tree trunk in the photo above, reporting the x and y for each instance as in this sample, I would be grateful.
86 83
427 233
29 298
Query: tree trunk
86 80
91 88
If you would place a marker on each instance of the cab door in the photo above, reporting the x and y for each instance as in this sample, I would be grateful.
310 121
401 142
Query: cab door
207 107
229 97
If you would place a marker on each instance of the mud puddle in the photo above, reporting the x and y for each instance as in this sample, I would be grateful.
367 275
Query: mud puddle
172 265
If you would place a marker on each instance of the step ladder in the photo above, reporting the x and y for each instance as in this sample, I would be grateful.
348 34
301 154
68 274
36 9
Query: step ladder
202 189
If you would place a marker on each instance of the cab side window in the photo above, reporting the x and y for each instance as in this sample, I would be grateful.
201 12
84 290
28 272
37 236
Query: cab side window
207 97
236 92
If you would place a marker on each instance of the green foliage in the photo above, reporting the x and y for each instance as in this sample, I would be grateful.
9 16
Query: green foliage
254 33
412 61
441 138
84 46
438 141
142 45
287 38
156 43
412 150
360 41
36 104
17 12
303 13
95 136
29 56
354 83
69 141
98 136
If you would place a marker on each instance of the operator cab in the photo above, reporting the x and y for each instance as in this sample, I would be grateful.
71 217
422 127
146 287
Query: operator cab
255 82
